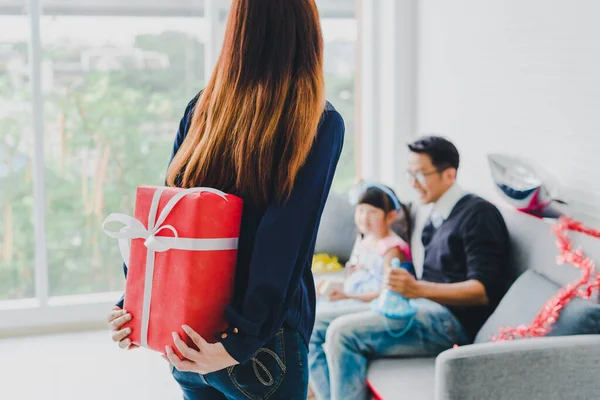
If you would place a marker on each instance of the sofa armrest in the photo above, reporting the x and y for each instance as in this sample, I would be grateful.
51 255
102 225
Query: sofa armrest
544 368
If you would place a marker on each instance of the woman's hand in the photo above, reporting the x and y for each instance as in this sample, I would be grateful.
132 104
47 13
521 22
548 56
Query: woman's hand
210 358
337 295
116 319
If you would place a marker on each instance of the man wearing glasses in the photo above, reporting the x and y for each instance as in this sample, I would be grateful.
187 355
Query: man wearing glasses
461 263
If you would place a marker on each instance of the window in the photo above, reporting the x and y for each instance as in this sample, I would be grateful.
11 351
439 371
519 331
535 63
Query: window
17 241
340 35
115 78
113 101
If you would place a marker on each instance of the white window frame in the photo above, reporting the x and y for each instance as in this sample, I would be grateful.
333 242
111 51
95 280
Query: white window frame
388 40
46 313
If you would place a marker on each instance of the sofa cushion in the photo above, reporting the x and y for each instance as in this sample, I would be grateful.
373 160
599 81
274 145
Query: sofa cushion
533 246
337 232
402 378
524 300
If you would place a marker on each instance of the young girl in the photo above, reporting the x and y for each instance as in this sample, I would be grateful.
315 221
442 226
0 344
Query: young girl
377 209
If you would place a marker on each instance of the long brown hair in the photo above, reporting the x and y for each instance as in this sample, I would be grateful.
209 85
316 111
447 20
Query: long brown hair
255 122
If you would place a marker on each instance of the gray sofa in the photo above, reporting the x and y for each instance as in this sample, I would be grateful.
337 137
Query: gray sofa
546 368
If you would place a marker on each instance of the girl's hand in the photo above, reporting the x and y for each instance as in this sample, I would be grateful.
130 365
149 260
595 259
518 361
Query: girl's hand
337 295
352 268
319 285
116 319
210 358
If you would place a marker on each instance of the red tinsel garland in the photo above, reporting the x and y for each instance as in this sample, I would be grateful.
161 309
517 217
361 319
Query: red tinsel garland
583 287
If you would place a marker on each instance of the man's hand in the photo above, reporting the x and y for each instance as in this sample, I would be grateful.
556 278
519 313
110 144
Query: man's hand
401 281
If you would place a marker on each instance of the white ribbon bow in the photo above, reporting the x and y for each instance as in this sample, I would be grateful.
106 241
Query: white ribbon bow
134 229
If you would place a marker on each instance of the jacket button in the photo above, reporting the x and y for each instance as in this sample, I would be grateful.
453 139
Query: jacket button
223 336
235 330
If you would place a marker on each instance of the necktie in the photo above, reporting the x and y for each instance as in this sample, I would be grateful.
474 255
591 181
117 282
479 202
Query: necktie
427 233
434 221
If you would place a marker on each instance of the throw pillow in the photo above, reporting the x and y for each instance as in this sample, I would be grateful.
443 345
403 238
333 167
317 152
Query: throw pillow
524 300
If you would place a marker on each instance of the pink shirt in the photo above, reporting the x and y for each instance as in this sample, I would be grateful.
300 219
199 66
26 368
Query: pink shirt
391 242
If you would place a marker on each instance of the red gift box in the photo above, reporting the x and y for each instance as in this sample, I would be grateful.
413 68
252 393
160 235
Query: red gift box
181 263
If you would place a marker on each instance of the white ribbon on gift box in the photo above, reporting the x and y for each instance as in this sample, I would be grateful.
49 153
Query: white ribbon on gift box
134 229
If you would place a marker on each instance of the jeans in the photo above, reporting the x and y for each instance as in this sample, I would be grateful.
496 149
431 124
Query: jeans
344 340
279 370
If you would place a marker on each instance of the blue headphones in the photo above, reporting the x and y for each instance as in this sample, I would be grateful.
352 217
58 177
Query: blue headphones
388 191
362 187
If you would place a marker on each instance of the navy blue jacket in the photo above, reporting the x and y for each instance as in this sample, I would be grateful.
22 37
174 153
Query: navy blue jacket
274 285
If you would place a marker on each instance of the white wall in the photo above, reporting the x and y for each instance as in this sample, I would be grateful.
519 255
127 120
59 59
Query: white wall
515 76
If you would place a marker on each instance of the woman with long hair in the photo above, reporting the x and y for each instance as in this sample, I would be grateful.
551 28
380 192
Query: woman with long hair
262 130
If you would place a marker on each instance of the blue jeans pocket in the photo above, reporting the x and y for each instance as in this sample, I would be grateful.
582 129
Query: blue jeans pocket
259 377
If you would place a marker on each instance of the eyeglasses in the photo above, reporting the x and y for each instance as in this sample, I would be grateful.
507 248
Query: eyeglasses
420 177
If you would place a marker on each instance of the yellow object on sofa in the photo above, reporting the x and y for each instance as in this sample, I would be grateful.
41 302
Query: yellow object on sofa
323 263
